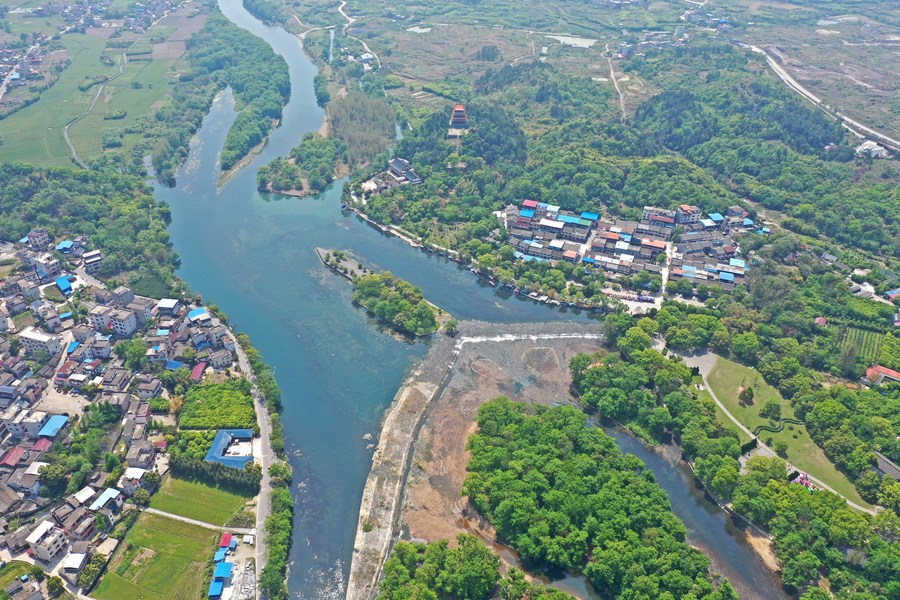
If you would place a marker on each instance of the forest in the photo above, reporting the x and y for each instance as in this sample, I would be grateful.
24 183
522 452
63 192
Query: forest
813 532
221 55
310 168
470 570
117 212
566 498
396 302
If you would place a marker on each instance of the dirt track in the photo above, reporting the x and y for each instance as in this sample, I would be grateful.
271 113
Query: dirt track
440 398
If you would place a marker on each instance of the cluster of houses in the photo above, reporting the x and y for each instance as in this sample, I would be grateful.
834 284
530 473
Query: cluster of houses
98 13
654 39
704 252
49 369
224 569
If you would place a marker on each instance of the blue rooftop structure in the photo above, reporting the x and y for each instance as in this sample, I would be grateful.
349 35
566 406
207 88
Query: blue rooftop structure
174 365
723 276
737 262
716 217
764 231
65 315
590 216
220 555
162 332
215 589
223 570
748 222
568 219
71 347
197 312
65 246
220 444
527 213
64 285
588 259
53 425
203 345
24 240
707 223
107 495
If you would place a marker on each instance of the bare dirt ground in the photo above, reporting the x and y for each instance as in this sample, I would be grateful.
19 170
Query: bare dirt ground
186 26
440 398
533 371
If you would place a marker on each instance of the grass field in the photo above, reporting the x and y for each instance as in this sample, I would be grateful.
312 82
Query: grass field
169 561
728 377
868 343
197 501
34 134
12 571
720 414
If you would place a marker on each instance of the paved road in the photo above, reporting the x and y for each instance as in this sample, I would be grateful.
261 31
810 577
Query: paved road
350 21
5 85
263 503
204 524
851 124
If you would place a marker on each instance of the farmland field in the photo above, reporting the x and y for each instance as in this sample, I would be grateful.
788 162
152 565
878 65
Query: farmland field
168 561
867 343
197 501
726 380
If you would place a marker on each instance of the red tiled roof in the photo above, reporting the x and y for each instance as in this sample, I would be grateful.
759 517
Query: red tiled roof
530 204
874 371
13 457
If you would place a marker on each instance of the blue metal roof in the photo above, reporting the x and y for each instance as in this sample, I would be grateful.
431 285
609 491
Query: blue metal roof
568 219
65 246
220 555
71 347
215 589
588 259
220 445
64 285
737 262
716 217
24 240
107 495
528 213
223 570
53 425
173 365
197 312
723 276
748 222
65 315
203 345
590 216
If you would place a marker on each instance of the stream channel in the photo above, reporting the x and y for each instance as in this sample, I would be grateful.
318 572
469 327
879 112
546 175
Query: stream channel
252 254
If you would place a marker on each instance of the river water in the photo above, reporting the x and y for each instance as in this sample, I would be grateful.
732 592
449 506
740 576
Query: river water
252 254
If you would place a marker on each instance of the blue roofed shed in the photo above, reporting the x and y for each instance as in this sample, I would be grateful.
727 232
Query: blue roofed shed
71 347
174 365
590 216
220 444
527 213
215 589
65 246
65 315
53 425
716 217
737 262
220 555
568 219
223 570
107 495
724 276
64 285
748 222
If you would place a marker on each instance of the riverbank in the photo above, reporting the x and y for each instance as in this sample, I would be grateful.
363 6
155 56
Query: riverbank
381 512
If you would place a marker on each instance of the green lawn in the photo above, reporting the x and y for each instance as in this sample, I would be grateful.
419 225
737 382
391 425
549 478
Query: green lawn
197 501
34 134
720 414
23 319
726 379
170 563
12 571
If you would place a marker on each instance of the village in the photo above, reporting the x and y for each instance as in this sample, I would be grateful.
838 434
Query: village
73 352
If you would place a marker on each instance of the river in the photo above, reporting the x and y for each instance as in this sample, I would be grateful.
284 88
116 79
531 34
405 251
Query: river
252 254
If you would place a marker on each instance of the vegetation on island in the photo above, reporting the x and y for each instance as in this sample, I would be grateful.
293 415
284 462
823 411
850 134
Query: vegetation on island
395 301
221 55
567 500
470 570
310 168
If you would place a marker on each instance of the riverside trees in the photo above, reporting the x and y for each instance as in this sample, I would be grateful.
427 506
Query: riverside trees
395 301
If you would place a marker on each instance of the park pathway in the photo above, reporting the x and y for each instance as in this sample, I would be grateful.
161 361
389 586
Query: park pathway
705 363
204 524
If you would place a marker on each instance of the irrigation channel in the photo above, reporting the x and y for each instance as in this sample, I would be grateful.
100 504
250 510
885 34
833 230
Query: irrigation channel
253 255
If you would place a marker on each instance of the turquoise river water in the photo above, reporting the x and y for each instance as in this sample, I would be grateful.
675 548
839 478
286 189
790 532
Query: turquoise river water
252 254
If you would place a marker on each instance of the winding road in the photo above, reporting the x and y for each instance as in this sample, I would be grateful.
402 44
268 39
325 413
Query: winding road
855 126
612 76
350 21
